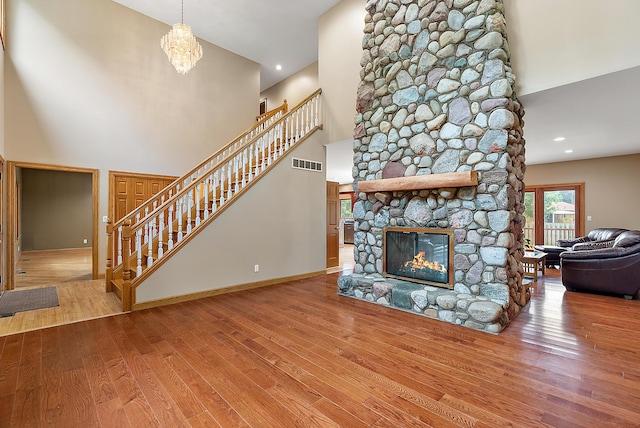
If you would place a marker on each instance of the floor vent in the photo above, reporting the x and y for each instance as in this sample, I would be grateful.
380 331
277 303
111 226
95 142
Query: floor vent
306 164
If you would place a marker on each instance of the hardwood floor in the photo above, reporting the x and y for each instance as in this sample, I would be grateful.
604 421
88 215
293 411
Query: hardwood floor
80 297
345 260
46 267
298 354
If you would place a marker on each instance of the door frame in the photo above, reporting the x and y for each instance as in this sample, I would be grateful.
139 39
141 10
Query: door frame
538 191
12 211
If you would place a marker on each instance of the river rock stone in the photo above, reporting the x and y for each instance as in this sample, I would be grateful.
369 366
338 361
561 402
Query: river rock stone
437 96
485 311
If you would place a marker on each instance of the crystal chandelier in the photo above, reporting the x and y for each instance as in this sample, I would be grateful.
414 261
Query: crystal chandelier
181 47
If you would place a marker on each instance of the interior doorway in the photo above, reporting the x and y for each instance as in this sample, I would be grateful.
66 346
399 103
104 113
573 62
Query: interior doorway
50 207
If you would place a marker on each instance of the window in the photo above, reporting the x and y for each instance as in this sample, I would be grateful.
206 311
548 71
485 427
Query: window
345 208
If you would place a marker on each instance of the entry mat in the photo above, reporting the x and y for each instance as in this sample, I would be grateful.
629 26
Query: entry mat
27 300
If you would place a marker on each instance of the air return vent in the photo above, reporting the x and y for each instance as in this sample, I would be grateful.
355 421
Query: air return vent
306 164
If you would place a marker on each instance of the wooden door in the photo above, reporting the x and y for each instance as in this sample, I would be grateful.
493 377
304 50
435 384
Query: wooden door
127 191
333 224
121 191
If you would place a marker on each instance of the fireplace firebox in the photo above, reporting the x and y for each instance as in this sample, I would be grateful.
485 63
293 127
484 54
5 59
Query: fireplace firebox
420 255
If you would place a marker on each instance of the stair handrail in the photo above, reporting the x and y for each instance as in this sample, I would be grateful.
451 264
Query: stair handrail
148 231
266 119
270 113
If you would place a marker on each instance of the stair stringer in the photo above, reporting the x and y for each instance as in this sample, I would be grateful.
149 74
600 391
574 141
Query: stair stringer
278 224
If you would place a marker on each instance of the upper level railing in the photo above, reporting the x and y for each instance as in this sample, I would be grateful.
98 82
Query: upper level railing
148 235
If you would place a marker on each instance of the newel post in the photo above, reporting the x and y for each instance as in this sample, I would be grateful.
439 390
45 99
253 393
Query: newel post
109 270
126 269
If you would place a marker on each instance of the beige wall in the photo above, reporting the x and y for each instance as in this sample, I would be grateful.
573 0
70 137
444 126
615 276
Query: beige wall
611 187
294 89
87 85
279 224
339 53
571 39
56 209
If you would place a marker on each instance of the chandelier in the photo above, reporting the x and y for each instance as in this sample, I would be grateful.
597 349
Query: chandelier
181 47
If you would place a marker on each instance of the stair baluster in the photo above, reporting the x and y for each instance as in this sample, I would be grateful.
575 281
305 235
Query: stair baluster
193 199
170 229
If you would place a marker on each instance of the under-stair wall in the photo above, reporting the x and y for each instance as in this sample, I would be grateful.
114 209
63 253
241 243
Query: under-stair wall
279 224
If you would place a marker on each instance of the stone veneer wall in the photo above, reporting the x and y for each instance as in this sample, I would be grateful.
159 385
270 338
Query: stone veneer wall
436 96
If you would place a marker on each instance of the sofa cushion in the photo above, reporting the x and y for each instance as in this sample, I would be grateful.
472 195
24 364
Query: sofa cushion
627 239
605 233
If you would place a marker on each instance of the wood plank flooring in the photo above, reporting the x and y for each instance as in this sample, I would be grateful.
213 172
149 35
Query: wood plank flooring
40 267
80 297
299 355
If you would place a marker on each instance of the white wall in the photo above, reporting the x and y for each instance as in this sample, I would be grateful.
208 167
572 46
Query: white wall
279 225
294 89
87 85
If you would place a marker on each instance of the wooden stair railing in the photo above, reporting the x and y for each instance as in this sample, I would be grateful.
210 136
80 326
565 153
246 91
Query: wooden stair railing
145 238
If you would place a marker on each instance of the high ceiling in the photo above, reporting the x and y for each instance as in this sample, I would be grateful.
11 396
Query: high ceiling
578 74
269 32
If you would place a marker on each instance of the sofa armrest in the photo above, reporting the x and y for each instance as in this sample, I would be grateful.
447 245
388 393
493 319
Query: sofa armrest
592 245
568 243
600 253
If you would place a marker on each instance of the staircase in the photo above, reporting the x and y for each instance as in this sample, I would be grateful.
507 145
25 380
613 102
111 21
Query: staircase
147 237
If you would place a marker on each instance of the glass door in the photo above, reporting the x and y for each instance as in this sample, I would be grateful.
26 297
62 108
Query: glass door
559 215
553 212
530 219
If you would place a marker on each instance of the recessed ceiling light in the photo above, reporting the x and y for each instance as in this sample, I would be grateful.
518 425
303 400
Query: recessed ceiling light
568 151
559 139
278 67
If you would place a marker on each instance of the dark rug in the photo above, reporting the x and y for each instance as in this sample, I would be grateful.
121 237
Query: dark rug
27 300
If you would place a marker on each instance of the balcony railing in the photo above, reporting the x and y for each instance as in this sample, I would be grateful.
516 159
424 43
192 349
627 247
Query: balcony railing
552 232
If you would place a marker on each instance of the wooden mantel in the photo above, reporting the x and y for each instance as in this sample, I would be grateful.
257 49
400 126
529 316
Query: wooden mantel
419 182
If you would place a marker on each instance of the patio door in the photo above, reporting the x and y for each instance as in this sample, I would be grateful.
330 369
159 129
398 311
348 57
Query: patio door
553 212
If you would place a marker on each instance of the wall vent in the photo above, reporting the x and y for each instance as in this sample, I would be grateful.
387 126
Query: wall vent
306 164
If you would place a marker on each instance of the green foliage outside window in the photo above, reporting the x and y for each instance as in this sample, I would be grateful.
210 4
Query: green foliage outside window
345 208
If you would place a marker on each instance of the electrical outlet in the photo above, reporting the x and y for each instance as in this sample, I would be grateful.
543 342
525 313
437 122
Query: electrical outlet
256 268
84 241
588 218
105 219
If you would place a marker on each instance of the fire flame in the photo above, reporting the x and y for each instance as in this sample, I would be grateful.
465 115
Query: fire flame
419 262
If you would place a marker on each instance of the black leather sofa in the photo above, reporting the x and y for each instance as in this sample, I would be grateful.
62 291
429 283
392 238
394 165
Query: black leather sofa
598 238
606 266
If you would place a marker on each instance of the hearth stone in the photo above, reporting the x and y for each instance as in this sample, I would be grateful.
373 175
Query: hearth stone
472 311
401 294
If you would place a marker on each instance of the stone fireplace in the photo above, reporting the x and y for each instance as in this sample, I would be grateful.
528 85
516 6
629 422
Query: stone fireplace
420 255
438 144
